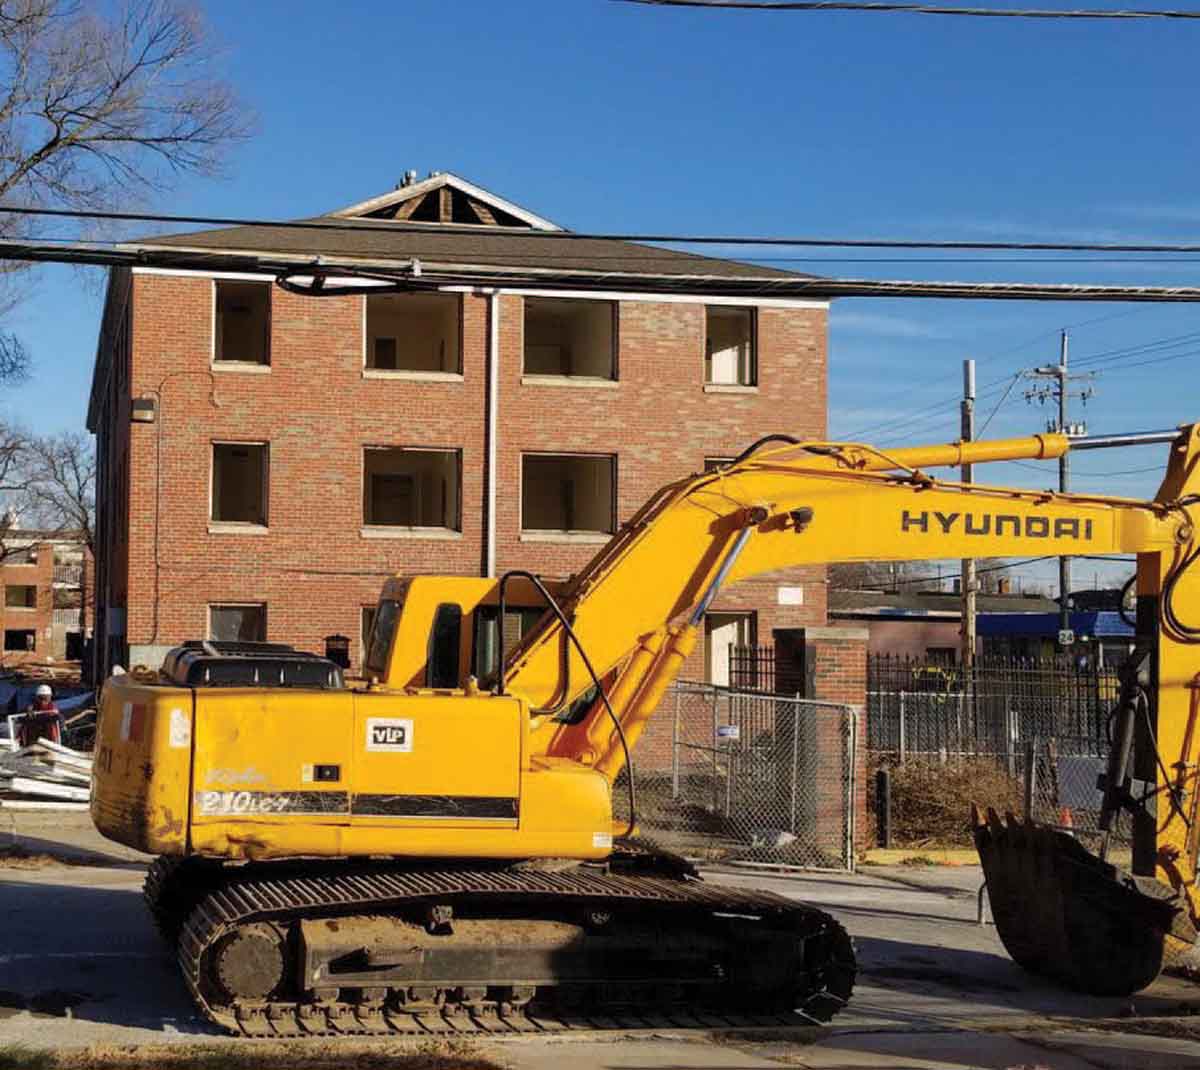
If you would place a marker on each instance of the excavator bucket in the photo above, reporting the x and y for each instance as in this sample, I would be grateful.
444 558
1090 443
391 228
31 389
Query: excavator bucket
1067 915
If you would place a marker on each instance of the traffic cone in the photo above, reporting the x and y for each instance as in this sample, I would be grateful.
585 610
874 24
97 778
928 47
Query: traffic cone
1066 821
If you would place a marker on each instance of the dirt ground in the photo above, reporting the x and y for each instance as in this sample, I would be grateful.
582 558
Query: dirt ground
85 984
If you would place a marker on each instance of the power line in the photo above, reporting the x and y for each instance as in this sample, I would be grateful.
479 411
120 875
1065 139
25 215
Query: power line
921 9
570 235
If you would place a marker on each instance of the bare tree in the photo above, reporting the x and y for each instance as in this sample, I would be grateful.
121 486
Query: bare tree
59 485
100 107
13 456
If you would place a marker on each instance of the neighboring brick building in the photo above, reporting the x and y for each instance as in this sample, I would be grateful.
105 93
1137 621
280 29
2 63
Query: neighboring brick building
43 584
267 458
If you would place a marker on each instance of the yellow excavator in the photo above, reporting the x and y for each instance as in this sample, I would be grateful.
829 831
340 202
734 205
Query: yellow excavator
439 843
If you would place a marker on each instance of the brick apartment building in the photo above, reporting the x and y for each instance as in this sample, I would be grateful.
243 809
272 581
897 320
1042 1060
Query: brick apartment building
267 458
43 586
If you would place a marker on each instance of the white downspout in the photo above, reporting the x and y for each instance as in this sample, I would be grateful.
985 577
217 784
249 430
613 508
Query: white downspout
493 421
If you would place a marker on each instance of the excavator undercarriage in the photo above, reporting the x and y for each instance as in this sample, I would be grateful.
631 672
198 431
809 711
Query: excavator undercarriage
287 948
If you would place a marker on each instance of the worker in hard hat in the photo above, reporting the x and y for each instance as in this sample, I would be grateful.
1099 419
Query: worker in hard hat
42 720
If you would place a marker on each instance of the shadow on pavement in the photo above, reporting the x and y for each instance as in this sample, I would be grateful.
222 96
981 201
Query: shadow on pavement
973 976
88 953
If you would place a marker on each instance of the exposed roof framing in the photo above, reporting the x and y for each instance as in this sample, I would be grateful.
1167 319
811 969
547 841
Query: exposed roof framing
445 198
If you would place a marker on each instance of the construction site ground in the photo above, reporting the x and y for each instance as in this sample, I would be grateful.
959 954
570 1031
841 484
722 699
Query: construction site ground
85 982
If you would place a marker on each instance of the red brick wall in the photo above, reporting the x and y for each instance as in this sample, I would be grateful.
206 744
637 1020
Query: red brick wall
313 567
839 674
41 576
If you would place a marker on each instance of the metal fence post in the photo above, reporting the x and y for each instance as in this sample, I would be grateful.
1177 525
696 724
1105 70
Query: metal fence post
675 747
1030 777
883 807
795 726
851 784
902 748
716 756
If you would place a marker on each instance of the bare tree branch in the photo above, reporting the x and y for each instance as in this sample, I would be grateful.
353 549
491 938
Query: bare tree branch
99 108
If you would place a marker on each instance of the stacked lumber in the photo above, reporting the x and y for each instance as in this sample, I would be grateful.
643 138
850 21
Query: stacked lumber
45 776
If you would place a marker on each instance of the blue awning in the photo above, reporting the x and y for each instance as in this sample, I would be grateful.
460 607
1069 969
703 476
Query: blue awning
1104 624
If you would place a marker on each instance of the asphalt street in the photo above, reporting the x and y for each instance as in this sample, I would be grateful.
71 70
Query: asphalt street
81 966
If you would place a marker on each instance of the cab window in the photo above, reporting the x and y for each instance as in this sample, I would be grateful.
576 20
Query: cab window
445 642
382 630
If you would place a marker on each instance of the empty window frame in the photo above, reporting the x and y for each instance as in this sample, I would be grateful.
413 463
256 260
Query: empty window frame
730 357
242 323
419 332
20 640
568 492
20 596
412 488
238 622
570 337
240 478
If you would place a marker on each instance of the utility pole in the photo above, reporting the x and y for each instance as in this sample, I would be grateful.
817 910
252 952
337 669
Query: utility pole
1059 389
1065 637
968 565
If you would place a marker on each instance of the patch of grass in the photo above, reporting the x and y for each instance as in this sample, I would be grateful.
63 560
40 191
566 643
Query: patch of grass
918 860
395 1053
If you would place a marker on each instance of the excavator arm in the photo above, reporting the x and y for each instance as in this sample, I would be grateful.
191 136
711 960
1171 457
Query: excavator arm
636 608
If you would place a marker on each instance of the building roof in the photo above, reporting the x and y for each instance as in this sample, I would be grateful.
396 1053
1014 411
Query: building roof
448 221
926 605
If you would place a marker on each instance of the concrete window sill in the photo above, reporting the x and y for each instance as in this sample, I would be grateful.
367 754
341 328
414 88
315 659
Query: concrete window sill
20 609
569 380
412 377
435 534
729 388
240 366
581 538
228 528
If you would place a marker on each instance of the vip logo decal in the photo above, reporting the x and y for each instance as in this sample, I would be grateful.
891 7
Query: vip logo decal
389 735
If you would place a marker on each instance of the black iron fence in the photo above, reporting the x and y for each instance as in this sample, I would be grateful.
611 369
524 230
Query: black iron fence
926 708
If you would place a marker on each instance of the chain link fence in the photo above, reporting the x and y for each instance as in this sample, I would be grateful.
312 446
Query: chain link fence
1059 778
732 774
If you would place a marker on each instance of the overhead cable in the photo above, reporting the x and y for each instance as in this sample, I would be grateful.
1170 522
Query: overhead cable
865 6
329 223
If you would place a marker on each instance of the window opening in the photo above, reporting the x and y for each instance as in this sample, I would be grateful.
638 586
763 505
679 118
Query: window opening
20 596
568 492
729 349
414 332
238 623
570 337
239 490
20 640
411 488
243 322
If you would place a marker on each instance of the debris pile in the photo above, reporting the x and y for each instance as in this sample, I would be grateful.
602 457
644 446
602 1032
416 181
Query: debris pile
45 776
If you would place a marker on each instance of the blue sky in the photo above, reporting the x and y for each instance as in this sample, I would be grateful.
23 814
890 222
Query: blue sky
610 117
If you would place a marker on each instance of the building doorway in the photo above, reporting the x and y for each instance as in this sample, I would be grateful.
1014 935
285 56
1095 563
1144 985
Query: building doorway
723 631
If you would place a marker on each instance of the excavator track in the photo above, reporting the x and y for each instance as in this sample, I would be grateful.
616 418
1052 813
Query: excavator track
284 949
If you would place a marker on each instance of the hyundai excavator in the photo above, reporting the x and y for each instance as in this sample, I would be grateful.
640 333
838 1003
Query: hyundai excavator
439 843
